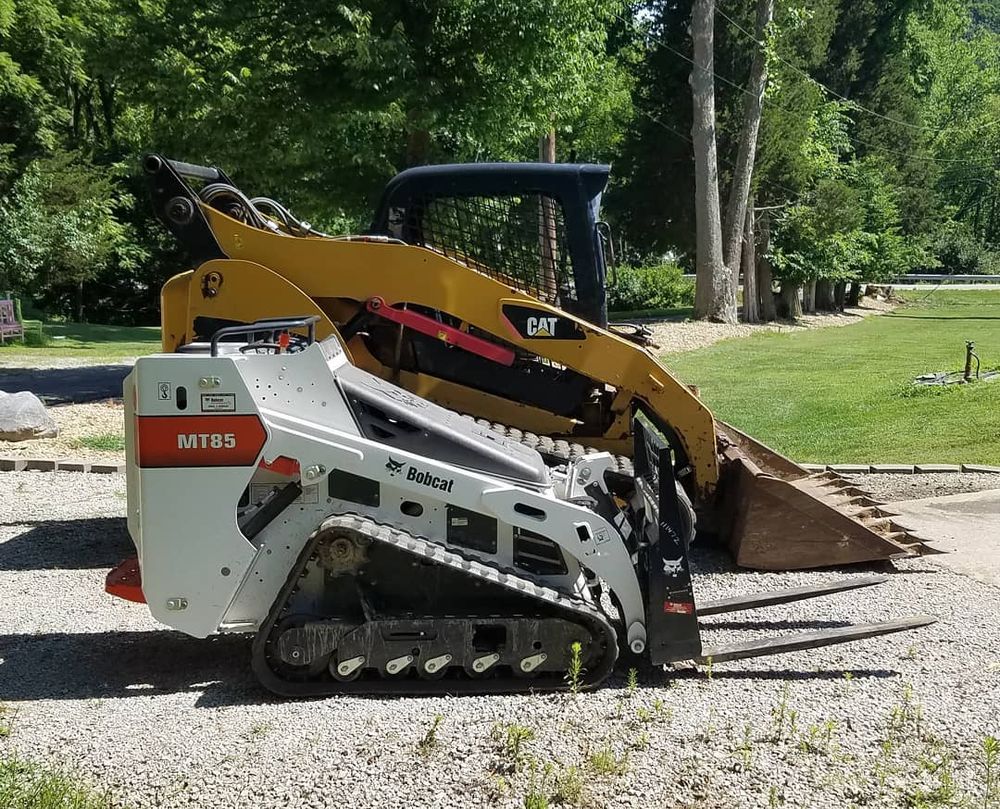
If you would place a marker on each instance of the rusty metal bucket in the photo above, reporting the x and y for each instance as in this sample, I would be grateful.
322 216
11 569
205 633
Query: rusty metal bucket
778 516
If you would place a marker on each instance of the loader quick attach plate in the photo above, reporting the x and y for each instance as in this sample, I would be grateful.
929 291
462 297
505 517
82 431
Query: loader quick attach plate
671 615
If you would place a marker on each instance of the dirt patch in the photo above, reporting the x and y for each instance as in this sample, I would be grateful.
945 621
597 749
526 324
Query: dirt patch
672 336
96 423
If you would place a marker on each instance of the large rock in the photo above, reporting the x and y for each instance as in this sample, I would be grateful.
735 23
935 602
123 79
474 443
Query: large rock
23 417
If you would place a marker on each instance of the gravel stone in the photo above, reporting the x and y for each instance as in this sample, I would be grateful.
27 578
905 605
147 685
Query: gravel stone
76 423
672 336
889 487
164 720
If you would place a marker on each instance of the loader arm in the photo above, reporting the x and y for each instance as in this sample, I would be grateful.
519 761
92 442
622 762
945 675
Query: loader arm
440 323
334 278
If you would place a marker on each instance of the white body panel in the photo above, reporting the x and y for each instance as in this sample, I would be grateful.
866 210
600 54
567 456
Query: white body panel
201 574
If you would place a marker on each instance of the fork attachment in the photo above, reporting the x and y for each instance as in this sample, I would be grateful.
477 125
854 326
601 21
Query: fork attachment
798 641
786 596
671 612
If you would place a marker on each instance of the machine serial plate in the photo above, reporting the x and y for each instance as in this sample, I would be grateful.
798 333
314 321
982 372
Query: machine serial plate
218 403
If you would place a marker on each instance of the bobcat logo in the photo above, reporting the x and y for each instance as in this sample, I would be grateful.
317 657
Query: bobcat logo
673 567
394 467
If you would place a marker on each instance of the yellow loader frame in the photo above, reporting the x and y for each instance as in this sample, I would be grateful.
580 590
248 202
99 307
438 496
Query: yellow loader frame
771 511
333 279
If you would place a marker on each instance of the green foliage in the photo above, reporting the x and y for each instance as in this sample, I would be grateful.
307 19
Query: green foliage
510 741
25 784
657 286
575 669
59 229
632 683
991 770
956 250
106 442
533 799
604 761
7 719
847 225
429 740
879 128
319 109
568 786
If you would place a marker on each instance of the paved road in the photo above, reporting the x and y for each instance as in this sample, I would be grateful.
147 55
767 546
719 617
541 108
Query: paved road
967 526
930 286
89 383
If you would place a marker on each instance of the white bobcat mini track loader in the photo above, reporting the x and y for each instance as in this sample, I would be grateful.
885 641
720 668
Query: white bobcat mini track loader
375 542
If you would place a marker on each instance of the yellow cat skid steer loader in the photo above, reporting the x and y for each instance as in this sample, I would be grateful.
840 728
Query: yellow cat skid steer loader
482 288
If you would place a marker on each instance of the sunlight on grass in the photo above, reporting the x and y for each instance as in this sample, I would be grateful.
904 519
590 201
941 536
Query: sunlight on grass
87 341
107 442
841 395
24 784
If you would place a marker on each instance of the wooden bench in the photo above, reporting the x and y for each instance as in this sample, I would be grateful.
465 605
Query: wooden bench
9 325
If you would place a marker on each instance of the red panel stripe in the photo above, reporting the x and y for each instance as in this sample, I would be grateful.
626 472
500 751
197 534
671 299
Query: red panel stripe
282 465
223 440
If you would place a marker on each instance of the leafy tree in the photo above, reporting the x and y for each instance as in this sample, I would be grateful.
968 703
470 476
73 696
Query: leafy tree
59 230
879 148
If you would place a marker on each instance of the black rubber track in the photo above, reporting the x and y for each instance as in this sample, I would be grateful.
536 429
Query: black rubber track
558 604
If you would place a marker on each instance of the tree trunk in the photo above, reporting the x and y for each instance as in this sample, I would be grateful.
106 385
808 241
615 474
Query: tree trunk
809 297
106 92
547 231
79 301
88 108
824 295
418 140
740 188
77 113
715 292
751 305
854 296
765 278
791 306
839 294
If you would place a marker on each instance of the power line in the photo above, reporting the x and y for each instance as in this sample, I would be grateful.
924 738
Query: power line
855 140
852 102
771 184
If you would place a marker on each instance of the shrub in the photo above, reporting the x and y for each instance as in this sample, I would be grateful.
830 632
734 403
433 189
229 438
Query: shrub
955 249
658 286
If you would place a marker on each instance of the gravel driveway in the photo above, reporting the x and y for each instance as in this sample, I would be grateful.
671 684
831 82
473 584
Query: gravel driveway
162 720
671 336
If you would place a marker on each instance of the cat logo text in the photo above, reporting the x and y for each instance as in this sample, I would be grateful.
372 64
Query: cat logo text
541 326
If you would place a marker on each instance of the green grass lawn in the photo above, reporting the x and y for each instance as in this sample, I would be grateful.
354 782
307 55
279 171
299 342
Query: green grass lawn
846 394
87 341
